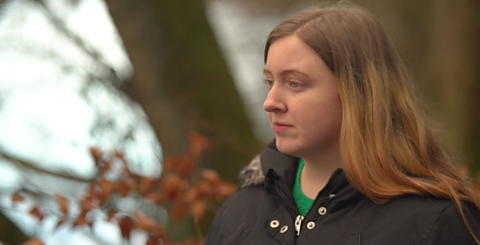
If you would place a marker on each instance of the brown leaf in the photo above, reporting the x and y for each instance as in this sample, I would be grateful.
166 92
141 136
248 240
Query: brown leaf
143 222
198 144
82 219
208 190
225 190
33 241
16 197
210 176
153 240
61 222
86 205
193 194
126 225
154 196
97 154
184 169
173 187
62 202
106 166
111 215
118 154
146 185
179 211
91 192
125 187
159 231
36 212
198 209
170 163
181 164
107 188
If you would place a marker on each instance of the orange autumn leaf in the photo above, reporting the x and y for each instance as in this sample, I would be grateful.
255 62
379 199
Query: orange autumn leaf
154 241
198 209
16 197
82 219
36 212
143 222
170 163
33 241
146 185
118 154
182 164
208 190
97 154
173 187
193 194
210 175
61 222
62 202
91 192
107 188
86 205
126 225
154 196
125 187
225 190
185 167
111 215
198 144
106 165
159 231
179 211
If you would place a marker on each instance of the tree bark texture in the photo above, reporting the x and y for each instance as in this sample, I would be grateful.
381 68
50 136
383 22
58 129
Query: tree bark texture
182 81
9 233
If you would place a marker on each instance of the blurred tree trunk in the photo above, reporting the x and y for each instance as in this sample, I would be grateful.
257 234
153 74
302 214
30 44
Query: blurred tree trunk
439 40
10 233
182 81
473 50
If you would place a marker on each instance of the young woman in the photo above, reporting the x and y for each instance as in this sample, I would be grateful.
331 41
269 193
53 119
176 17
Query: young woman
354 160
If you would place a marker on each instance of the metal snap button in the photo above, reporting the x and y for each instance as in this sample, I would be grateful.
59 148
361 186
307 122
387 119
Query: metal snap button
311 225
274 224
322 210
284 229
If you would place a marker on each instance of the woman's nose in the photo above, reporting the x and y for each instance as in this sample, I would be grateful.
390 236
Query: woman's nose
274 101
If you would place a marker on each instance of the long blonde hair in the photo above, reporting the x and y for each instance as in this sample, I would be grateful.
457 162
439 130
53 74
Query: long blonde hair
388 148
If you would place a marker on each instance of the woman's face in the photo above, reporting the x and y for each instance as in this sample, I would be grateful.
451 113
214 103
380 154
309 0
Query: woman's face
303 103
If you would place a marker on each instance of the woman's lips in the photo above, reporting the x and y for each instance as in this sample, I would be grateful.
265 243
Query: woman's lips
279 127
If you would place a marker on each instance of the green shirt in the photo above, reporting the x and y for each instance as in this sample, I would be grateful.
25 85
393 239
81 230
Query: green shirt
303 202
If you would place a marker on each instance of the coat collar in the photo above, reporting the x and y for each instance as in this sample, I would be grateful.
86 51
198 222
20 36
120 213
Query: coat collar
273 166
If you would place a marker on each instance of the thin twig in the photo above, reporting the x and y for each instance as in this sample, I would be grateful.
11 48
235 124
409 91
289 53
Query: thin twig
96 56
197 228
31 166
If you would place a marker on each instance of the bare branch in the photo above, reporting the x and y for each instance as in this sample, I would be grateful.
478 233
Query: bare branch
31 166
90 51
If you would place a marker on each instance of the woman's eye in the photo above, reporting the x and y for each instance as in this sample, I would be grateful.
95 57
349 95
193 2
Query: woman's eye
294 85
269 83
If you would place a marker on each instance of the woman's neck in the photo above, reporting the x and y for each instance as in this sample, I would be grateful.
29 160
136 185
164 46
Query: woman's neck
317 172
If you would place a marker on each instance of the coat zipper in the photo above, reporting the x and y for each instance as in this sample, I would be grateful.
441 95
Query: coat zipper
299 219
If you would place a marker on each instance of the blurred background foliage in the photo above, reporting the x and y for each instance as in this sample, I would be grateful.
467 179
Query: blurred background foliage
137 74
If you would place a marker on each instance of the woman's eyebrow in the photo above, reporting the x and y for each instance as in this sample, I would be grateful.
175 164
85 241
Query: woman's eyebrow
291 71
286 72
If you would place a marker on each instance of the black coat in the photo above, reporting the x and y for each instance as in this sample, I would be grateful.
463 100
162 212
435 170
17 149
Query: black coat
264 212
